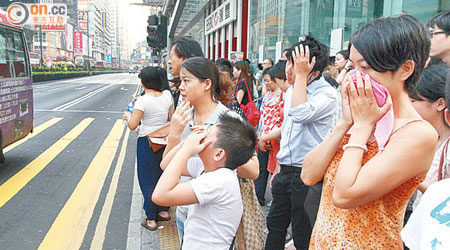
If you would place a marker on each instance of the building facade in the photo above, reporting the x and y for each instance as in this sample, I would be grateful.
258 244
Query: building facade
264 28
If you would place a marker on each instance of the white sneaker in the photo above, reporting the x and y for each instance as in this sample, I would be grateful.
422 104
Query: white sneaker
290 245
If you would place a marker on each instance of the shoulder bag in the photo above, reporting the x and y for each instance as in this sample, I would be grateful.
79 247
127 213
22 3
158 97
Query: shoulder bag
250 110
158 138
250 235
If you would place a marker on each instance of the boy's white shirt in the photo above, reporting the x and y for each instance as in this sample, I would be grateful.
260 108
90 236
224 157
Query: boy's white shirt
429 224
213 222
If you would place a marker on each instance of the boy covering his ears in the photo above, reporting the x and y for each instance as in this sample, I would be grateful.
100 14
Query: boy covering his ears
216 208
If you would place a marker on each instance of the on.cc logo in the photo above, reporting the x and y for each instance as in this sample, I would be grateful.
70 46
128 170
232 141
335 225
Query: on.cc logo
18 13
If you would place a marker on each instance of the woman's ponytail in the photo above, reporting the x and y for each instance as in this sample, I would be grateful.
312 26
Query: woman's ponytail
202 68
163 77
223 89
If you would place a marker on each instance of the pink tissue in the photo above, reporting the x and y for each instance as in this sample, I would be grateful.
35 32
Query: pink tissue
385 125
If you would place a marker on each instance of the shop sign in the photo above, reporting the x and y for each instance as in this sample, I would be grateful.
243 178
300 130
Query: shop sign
78 43
83 20
43 16
225 14
104 23
69 37
235 56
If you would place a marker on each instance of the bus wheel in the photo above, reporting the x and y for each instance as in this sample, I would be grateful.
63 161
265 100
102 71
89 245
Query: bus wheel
2 156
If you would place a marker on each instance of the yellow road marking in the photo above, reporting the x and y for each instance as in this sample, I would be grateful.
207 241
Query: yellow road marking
36 131
99 236
69 227
14 184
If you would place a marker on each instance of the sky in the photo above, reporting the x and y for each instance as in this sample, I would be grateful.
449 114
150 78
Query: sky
136 20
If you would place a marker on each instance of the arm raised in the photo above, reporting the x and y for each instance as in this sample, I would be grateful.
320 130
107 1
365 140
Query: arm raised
407 155
317 160
179 120
168 192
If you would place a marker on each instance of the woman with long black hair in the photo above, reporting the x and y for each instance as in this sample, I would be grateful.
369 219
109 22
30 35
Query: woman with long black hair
153 110
244 86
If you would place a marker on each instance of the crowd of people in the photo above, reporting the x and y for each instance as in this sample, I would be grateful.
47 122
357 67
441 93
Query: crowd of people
353 148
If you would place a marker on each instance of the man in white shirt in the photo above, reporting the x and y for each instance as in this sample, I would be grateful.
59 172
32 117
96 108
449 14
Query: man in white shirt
216 208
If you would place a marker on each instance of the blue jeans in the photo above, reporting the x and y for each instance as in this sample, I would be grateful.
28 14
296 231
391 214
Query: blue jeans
180 228
148 175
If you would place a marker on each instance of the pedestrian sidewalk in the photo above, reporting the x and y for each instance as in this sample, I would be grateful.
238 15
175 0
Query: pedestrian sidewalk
140 238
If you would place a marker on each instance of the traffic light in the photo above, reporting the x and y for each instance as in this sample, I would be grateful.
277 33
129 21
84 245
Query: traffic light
152 31
162 31
157 31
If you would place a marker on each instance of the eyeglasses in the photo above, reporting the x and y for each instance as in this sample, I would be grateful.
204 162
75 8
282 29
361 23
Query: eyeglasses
433 33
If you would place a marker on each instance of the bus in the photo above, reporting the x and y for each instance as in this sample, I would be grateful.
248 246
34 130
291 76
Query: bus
16 85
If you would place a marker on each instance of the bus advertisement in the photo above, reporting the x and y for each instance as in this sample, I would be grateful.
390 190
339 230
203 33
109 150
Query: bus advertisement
16 85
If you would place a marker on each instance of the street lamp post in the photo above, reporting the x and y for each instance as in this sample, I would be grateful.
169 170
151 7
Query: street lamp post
89 42
41 62
119 55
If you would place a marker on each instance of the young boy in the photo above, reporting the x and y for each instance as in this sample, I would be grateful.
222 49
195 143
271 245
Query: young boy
214 217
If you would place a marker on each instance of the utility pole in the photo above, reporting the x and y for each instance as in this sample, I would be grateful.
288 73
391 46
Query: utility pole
41 62
119 56
89 42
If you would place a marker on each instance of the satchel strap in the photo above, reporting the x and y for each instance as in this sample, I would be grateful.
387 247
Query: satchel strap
441 162
248 92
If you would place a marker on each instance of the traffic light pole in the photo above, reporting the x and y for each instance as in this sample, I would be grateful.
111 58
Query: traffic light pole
157 36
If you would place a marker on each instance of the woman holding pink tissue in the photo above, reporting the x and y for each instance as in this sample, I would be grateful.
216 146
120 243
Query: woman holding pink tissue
381 149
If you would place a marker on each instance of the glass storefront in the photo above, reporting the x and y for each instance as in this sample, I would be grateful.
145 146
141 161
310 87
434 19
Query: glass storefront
277 24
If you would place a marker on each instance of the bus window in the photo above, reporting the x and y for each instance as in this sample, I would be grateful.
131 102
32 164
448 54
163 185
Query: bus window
12 55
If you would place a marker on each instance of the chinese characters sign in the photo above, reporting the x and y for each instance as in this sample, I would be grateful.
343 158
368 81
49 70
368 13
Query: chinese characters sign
83 20
225 14
48 17
78 43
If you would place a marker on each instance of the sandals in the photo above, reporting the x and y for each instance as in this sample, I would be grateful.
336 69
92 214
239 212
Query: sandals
160 218
144 223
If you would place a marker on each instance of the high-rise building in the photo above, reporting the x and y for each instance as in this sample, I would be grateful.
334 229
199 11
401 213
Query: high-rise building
115 43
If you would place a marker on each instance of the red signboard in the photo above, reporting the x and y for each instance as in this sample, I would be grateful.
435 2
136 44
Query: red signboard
77 43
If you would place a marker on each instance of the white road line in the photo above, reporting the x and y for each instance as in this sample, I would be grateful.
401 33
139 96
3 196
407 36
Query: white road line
80 99
79 111
100 230
134 224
